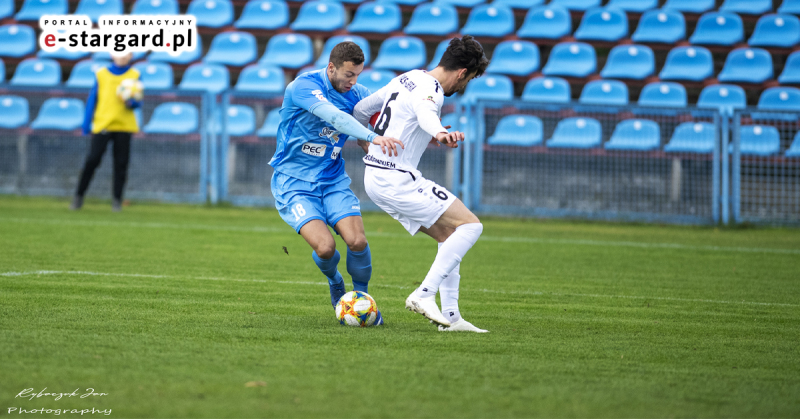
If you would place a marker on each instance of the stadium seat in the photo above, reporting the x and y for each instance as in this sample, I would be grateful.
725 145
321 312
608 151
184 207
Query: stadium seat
519 4
576 133
663 94
324 58
322 16
155 7
662 26
546 22
688 63
690 6
516 58
437 55
790 6
241 121
211 13
232 48
794 149
271 123
776 31
105 56
6 8
2 71
747 65
375 79
96 8
518 130
401 53
17 40
462 3
747 7
718 28
82 74
292 50
14 110
780 99
173 118
547 90
62 54
758 140
723 97
261 78
155 75
692 137
791 70
636 6
433 19
490 20
184 57
635 135
376 17
571 59
629 62
37 72
489 86
604 92
59 114
576 4
602 24
213 78
264 14
34 9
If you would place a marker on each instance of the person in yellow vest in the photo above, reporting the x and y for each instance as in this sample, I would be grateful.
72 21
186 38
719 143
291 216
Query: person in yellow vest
109 119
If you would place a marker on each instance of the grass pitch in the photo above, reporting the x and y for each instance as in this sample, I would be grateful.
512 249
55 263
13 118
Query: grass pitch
183 311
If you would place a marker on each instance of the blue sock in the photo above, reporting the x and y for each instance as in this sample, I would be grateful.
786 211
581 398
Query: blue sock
359 266
328 267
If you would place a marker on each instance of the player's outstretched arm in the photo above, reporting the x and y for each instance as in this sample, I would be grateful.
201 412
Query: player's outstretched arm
346 124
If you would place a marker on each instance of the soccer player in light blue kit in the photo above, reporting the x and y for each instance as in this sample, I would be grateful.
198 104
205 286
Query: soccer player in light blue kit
310 186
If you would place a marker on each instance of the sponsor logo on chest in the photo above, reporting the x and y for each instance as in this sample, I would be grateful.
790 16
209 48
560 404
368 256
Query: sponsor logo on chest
317 150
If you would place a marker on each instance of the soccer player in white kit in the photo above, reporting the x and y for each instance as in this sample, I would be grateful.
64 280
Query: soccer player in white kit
410 107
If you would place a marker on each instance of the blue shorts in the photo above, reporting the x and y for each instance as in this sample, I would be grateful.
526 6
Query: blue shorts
299 201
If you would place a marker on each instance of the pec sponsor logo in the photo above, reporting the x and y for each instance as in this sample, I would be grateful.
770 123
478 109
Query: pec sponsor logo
317 150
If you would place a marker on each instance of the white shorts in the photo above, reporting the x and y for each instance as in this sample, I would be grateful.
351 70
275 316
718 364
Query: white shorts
408 197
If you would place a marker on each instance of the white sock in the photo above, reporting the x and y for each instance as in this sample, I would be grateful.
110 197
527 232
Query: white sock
449 256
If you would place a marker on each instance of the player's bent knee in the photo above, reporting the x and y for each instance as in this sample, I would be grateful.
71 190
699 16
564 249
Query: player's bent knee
326 250
358 244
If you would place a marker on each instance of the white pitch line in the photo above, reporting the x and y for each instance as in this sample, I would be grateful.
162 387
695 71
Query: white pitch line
484 238
636 297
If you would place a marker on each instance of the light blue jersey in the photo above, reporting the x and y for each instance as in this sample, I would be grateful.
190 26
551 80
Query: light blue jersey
309 147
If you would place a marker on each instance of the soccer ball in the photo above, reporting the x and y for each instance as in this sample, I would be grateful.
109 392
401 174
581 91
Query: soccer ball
356 309
130 89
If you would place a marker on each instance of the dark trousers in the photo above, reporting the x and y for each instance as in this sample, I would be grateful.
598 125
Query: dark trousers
122 154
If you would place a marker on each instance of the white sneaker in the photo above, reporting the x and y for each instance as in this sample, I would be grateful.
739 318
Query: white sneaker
427 307
462 326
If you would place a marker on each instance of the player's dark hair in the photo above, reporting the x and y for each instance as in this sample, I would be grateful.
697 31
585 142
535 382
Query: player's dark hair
464 53
346 51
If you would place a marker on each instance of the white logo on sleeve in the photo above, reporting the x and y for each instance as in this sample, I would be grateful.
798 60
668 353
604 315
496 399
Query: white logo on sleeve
318 94
317 150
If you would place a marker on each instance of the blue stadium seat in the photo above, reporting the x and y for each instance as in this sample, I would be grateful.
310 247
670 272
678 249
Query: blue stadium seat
791 70
14 110
6 8
375 79
34 9
520 4
604 92
571 59
603 24
402 2
546 22
261 78
264 14
518 130
636 6
747 7
723 97
155 75
241 121
292 50
489 86
82 74
105 56
173 118
59 114
213 78
747 65
155 7
16 40
462 3
376 17
576 4
271 123
185 57
62 54
433 19
663 94
211 13
96 8
780 99
324 58
635 135
690 6
323 16
758 140
490 20
516 58
437 55
776 31
2 71
547 90
794 149
37 72
662 26
576 133
401 53
688 63
790 6
232 48
629 62
692 137
718 28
